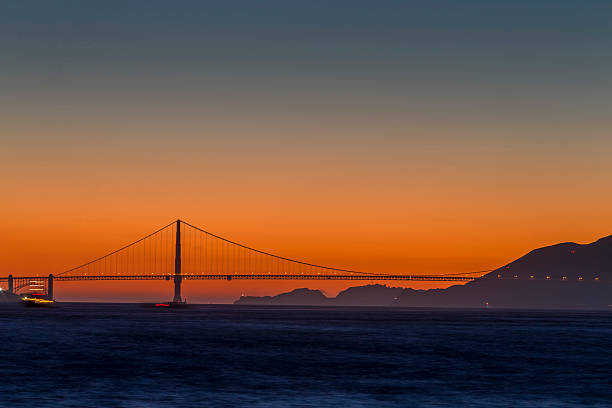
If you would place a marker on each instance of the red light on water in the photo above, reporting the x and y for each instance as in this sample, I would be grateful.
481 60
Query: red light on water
162 305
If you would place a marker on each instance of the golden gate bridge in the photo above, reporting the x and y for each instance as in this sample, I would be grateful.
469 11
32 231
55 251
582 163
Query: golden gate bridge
180 251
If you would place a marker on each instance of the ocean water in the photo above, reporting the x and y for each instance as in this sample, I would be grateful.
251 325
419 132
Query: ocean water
124 355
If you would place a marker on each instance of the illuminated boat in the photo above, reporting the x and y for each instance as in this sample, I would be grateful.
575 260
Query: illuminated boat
37 300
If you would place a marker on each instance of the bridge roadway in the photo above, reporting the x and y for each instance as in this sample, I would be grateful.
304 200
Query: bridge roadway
141 254
275 276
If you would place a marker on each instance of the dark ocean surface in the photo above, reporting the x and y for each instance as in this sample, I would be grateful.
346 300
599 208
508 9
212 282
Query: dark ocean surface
122 355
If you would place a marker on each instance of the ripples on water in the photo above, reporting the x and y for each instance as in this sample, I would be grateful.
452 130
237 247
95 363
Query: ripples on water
110 355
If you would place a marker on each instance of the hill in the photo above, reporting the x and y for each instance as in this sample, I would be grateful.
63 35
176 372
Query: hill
302 296
369 295
565 276
562 276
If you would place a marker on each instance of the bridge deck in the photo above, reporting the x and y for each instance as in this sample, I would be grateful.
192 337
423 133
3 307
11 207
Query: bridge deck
253 277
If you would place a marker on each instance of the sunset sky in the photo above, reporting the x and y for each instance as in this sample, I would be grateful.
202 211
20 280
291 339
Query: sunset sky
388 136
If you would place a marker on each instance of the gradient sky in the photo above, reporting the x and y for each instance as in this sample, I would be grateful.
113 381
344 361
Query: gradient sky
388 136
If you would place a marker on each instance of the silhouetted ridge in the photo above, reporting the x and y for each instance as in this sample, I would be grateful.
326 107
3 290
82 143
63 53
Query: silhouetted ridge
561 276
565 275
302 296
605 241
368 295
568 259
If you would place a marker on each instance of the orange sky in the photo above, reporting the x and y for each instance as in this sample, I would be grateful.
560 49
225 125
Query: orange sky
431 205
397 213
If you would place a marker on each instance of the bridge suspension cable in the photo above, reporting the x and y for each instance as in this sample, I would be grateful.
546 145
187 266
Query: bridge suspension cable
281 258
117 251
203 253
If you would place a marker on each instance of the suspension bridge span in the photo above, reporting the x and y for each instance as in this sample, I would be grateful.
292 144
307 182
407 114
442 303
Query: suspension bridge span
180 251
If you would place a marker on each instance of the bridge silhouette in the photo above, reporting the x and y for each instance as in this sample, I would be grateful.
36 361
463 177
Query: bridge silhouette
180 251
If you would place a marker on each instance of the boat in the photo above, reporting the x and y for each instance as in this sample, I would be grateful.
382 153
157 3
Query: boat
165 305
37 300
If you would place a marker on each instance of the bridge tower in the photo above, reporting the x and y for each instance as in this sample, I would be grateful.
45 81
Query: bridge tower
11 288
50 287
177 265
